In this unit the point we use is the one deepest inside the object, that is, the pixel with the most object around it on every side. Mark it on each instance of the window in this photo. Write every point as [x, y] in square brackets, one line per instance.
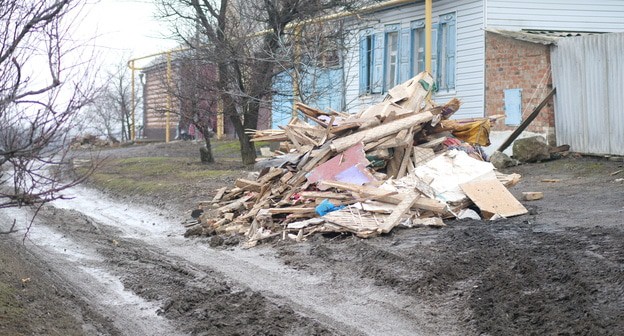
[391, 57]
[418, 47]
[397, 53]
[366, 62]
[446, 52]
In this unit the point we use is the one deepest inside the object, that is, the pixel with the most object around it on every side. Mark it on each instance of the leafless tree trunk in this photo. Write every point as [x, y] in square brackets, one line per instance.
[246, 41]
[37, 107]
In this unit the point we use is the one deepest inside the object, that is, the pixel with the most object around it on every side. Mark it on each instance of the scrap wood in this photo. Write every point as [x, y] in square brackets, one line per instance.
[291, 210]
[360, 223]
[388, 196]
[493, 198]
[248, 185]
[508, 180]
[431, 221]
[305, 223]
[338, 148]
[378, 132]
[236, 205]
[551, 180]
[404, 206]
[220, 192]
[532, 195]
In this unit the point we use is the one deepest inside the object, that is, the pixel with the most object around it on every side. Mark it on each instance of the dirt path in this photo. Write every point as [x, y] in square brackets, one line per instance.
[131, 260]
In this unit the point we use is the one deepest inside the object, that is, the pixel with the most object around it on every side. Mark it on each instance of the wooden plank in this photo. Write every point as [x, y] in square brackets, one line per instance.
[395, 217]
[526, 122]
[325, 194]
[532, 195]
[493, 198]
[406, 157]
[378, 132]
[248, 184]
[271, 174]
[388, 197]
[217, 197]
[433, 143]
[291, 210]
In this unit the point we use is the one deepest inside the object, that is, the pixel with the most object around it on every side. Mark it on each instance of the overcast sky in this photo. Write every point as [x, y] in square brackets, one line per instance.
[124, 28]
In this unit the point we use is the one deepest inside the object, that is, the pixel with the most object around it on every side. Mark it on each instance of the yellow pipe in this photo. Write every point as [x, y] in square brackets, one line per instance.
[169, 100]
[131, 62]
[428, 28]
[219, 119]
[133, 105]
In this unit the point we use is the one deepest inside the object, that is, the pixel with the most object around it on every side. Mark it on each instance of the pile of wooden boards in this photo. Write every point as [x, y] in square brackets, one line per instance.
[363, 174]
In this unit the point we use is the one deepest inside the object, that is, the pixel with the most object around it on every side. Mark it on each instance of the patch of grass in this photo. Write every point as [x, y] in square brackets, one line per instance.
[153, 175]
[230, 148]
[10, 309]
[225, 148]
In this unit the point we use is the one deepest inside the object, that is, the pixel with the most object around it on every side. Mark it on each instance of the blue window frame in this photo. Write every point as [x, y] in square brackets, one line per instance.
[367, 47]
[391, 57]
[417, 42]
[447, 46]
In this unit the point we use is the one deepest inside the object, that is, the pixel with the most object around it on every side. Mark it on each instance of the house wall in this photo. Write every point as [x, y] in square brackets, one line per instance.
[566, 15]
[155, 105]
[514, 64]
[469, 71]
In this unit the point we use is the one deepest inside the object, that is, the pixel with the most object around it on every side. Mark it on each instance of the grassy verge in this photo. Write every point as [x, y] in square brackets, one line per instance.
[152, 175]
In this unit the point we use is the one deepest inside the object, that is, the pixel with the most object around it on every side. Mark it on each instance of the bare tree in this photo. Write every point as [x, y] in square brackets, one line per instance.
[249, 43]
[111, 111]
[39, 97]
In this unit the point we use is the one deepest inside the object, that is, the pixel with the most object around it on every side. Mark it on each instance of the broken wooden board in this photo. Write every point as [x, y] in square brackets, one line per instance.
[291, 210]
[532, 195]
[493, 198]
[353, 220]
[248, 185]
[395, 217]
[389, 196]
[219, 194]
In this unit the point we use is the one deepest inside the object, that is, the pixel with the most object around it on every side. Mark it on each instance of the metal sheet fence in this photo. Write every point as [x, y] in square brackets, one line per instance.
[588, 73]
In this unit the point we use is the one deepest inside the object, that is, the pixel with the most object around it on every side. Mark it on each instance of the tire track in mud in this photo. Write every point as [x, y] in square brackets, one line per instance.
[222, 292]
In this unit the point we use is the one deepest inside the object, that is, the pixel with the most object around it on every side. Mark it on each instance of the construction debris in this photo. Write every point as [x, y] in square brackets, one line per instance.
[532, 195]
[396, 163]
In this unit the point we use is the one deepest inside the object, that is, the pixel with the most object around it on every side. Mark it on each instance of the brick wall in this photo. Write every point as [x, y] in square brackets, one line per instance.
[515, 64]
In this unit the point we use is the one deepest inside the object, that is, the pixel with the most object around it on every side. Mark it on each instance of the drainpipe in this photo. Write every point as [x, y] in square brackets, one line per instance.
[428, 26]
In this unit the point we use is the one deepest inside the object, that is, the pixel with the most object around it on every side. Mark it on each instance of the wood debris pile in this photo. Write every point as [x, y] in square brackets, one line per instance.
[396, 163]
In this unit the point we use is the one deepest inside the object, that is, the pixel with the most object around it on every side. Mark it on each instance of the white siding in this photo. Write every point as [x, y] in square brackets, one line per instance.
[587, 72]
[469, 85]
[563, 15]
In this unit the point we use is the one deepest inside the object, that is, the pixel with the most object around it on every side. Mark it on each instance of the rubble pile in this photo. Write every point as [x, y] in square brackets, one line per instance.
[399, 162]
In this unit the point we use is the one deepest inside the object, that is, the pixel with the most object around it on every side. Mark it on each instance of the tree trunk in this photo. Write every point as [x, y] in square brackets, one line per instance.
[248, 150]
[205, 152]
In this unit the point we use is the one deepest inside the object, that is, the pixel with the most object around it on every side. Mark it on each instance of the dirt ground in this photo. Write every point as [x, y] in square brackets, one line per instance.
[110, 264]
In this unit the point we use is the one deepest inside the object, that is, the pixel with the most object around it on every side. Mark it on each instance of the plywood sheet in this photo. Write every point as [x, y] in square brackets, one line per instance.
[492, 198]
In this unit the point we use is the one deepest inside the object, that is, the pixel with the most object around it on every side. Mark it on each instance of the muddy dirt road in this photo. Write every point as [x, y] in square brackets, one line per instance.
[125, 269]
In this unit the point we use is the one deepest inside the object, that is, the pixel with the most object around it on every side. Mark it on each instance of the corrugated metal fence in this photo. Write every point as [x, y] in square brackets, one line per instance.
[588, 73]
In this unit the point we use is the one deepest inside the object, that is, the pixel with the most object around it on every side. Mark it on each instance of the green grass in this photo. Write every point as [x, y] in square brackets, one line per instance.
[10, 309]
[152, 174]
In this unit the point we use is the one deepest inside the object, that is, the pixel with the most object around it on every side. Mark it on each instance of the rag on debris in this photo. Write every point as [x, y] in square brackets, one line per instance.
[392, 164]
